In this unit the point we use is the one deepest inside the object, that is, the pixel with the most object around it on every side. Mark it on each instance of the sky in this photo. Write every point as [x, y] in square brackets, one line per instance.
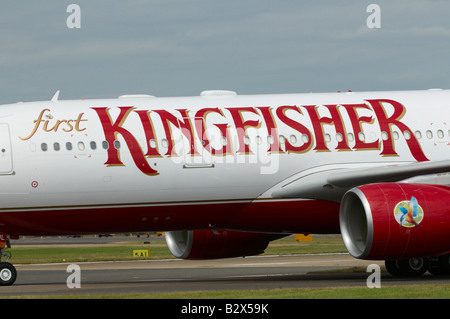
[180, 48]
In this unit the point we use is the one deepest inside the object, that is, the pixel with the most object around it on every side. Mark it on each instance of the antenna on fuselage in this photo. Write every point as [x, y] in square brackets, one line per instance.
[55, 97]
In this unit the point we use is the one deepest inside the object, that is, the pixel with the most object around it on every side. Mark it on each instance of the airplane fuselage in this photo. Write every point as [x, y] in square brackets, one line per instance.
[157, 164]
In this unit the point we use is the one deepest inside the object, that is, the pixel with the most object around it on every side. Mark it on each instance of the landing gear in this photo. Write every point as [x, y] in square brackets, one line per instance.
[8, 273]
[440, 265]
[407, 267]
[436, 265]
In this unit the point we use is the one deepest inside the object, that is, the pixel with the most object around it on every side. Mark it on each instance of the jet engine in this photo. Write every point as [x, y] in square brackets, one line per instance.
[211, 244]
[396, 221]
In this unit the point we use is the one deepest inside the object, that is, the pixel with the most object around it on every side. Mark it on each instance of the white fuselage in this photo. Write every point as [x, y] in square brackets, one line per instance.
[167, 151]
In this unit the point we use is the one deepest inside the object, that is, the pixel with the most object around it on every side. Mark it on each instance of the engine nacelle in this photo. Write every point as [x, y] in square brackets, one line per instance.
[396, 221]
[208, 244]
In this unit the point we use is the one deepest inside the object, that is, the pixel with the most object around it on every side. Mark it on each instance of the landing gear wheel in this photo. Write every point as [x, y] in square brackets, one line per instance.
[407, 267]
[413, 266]
[444, 263]
[8, 274]
[440, 266]
[392, 267]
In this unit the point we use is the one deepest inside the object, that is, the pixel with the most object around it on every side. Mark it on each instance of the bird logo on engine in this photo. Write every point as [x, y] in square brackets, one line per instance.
[408, 213]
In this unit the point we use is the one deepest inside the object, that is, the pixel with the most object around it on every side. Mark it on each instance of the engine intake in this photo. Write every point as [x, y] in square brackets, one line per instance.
[394, 221]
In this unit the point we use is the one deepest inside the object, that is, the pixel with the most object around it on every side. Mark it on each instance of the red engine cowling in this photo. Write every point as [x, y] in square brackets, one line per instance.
[396, 221]
[208, 244]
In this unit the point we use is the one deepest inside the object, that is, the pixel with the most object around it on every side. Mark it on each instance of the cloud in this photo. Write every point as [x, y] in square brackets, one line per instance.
[31, 53]
[257, 46]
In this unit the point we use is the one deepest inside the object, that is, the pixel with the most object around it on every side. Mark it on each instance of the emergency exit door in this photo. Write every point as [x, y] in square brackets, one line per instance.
[194, 153]
[6, 163]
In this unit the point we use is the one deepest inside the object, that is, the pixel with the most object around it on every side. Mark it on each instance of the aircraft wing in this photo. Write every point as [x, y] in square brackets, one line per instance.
[333, 182]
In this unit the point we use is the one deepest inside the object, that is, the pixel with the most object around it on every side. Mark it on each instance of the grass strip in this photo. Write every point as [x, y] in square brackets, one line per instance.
[119, 252]
[432, 291]
[21, 255]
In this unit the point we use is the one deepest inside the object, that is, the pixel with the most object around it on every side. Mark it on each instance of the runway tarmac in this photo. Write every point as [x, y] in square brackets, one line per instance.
[265, 272]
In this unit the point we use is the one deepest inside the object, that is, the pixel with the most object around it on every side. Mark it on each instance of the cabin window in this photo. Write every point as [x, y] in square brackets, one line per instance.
[258, 140]
[69, 146]
[293, 139]
[56, 146]
[418, 135]
[429, 134]
[105, 145]
[93, 145]
[407, 135]
[305, 138]
[440, 133]
[396, 135]
[224, 140]
[116, 144]
[44, 147]
[81, 146]
[351, 138]
[361, 136]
